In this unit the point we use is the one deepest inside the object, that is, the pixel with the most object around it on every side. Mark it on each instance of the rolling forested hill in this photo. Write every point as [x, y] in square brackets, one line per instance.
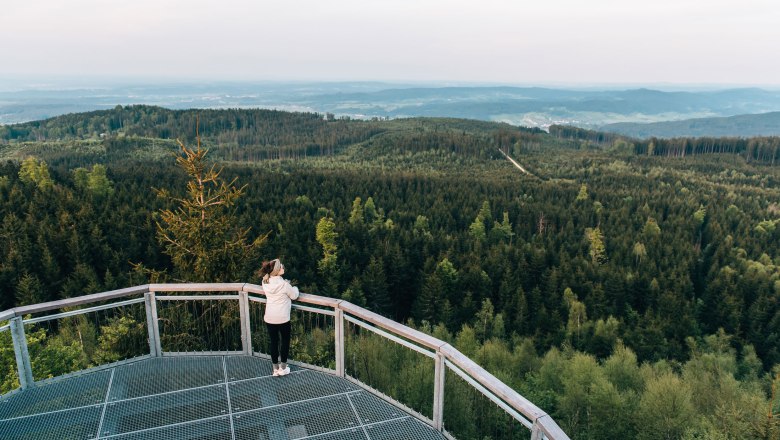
[530, 106]
[613, 277]
[763, 124]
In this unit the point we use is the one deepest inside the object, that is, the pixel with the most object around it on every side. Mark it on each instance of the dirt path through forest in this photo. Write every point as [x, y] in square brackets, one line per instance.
[519, 167]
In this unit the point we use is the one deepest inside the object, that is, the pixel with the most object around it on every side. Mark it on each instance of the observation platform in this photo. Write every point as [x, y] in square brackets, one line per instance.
[189, 361]
[204, 397]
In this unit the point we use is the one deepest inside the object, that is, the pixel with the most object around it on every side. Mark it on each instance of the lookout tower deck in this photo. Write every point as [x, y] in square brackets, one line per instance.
[189, 361]
[204, 397]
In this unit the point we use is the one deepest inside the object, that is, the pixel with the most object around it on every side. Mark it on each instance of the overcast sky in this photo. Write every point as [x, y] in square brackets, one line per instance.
[725, 42]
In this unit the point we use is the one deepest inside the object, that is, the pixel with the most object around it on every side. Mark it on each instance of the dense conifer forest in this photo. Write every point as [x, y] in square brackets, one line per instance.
[620, 275]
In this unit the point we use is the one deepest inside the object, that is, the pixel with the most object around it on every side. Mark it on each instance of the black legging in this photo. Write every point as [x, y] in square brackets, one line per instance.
[274, 330]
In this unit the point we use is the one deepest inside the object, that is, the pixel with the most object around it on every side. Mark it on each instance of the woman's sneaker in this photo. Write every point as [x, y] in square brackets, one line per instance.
[284, 369]
[276, 370]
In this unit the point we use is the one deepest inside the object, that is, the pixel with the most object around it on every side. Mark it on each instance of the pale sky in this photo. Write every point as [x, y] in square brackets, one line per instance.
[733, 42]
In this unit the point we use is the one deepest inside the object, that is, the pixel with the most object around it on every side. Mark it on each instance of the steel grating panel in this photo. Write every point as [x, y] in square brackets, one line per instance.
[296, 420]
[371, 409]
[247, 367]
[347, 434]
[297, 386]
[74, 424]
[404, 429]
[161, 375]
[166, 409]
[211, 429]
[74, 392]
[186, 398]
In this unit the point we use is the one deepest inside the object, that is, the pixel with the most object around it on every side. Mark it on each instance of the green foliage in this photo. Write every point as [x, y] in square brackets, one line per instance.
[326, 237]
[354, 293]
[30, 290]
[758, 148]
[375, 361]
[8, 369]
[766, 227]
[583, 194]
[590, 400]
[484, 321]
[640, 252]
[95, 182]
[484, 212]
[651, 229]
[477, 229]
[622, 370]
[375, 287]
[312, 344]
[438, 290]
[370, 212]
[699, 216]
[666, 409]
[502, 232]
[578, 322]
[54, 355]
[35, 172]
[422, 227]
[356, 216]
[304, 201]
[119, 339]
[597, 250]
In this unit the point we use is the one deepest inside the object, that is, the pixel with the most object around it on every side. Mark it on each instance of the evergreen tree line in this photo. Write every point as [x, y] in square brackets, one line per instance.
[765, 150]
[272, 134]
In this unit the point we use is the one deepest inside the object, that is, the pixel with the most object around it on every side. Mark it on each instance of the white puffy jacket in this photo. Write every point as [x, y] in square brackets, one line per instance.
[279, 293]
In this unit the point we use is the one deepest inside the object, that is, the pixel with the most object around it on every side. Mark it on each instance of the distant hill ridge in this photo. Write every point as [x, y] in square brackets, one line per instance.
[762, 124]
[526, 106]
[255, 134]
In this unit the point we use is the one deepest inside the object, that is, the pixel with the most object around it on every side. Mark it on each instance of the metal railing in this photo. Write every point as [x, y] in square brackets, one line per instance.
[404, 366]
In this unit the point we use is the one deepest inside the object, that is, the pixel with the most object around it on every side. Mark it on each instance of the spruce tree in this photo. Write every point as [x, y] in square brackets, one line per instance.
[202, 235]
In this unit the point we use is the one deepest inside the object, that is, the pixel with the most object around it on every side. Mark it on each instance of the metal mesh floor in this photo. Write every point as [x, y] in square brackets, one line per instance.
[199, 397]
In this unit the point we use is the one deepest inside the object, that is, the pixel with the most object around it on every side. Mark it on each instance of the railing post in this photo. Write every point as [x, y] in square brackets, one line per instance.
[339, 343]
[536, 432]
[22, 355]
[246, 332]
[438, 392]
[152, 324]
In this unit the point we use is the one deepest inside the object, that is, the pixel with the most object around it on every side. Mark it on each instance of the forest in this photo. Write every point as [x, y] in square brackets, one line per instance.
[614, 276]
[762, 149]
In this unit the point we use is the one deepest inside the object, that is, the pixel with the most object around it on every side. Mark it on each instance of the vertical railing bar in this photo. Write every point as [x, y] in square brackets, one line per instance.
[438, 392]
[536, 432]
[339, 342]
[155, 347]
[22, 355]
[148, 301]
[246, 328]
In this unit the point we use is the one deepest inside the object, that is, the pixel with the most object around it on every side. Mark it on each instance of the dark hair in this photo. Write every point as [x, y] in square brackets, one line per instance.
[268, 267]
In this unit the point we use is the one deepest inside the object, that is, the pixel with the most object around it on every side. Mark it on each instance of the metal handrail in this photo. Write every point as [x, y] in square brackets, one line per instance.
[541, 424]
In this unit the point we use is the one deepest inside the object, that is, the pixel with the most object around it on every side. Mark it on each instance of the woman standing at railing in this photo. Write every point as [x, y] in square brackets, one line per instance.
[279, 293]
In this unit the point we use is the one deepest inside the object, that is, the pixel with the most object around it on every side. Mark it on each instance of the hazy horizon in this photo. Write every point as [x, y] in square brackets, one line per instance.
[560, 43]
[29, 83]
